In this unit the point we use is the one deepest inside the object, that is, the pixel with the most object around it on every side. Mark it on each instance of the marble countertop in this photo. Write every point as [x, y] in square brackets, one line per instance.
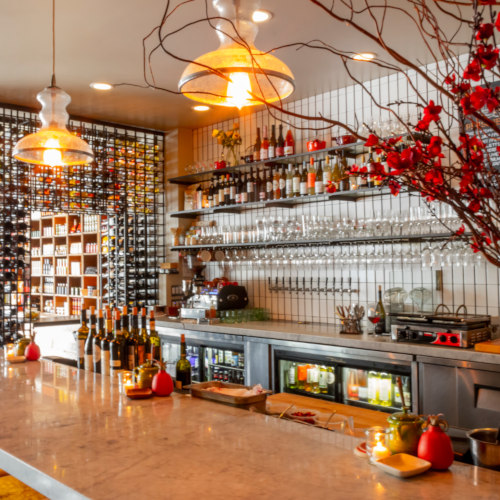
[324, 334]
[70, 434]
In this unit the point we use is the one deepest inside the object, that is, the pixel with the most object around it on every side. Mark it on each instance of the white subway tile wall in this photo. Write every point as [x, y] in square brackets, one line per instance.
[466, 278]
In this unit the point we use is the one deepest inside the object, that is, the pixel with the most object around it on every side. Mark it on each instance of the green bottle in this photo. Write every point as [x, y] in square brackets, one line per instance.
[183, 368]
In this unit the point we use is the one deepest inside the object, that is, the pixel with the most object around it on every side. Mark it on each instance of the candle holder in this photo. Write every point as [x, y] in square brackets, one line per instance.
[125, 381]
[376, 443]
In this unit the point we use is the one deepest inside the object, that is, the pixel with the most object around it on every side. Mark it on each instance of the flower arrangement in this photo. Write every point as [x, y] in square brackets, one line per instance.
[230, 140]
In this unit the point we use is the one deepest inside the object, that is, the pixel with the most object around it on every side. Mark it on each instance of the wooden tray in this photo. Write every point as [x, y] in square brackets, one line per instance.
[199, 391]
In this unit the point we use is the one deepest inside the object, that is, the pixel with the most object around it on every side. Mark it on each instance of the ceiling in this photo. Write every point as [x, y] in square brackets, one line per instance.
[100, 40]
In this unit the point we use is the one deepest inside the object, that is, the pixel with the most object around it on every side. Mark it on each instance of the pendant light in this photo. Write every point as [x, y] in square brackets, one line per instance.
[53, 144]
[237, 72]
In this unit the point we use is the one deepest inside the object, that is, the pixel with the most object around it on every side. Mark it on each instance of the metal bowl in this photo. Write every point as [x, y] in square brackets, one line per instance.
[485, 449]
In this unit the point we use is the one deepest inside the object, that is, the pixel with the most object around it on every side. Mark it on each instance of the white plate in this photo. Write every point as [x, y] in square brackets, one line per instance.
[403, 465]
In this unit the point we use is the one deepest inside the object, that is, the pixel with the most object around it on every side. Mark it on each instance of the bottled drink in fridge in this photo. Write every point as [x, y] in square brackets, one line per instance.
[292, 376]
[183, 368]
[373, 387]
[385, 389]
[323, 380]
[301, 377]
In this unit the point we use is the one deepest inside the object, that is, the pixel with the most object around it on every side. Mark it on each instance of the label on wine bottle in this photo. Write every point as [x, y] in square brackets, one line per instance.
[291, 376]
[318, 186]
[303, 188]
[280, 151]
[323, 379]
[89, 362]
[96, 353]
[288, 150]
[105, 362]
[264, 154]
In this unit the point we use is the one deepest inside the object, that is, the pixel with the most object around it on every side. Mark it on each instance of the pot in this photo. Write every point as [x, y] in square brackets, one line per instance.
[405, 430]
[144, 375]
[485, 448]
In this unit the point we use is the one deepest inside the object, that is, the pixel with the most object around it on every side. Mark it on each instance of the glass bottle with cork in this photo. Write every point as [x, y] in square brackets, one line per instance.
[182, 369]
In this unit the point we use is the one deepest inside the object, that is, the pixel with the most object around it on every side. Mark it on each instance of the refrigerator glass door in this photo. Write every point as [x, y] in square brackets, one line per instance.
[171, 352]
[224, 365]
[374, 388]
[307, 378]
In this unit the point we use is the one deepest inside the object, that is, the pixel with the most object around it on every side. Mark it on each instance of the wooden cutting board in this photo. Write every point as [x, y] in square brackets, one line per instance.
[492, 346]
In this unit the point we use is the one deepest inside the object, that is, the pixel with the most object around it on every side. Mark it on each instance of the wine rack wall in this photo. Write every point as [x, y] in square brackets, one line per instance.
[124, 184]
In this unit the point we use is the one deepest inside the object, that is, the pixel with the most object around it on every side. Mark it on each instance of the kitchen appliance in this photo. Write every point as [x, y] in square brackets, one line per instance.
[441, 328]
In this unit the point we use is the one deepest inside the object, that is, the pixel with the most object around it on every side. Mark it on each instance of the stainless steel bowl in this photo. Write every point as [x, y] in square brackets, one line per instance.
[484, 448]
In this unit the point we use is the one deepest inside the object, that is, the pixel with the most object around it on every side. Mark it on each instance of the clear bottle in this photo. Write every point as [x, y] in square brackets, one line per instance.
[336, 174]
[296, 182]
[327, 172]
[353, 385]
[344, 174]
[289, 182]
[182, 368]
[330, 380]
[292, 376]
[323, 380]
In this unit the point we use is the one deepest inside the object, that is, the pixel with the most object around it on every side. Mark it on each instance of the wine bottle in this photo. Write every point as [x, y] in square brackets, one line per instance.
[89, 361]
[256, 148]
[256, 186]
[336, 174]
[143, 332]
[221, 190]
[282, 183]
[262, 186]
[96, 347]
[318, 185]
[327, 172]
[296, 182]
[280, 146]
[140, 343]
[380, 311]
[303, 180]
[370, 168]
[243, 188]
[276, 185]
[215, 200]
[154, 338]
[311, 178]
[232, 189]
[237, 190]
[227, 191]
[117, 346]
[105, 343]
[272, 143]
[362, 180]
[182, 368]
[249, 187]
[289, 182]
[264, 147]
[210, 198]
[289, 143]
[82, 335]
[344, 174]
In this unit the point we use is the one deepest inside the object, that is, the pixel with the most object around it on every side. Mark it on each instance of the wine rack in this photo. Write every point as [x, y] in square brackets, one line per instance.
[123, 185]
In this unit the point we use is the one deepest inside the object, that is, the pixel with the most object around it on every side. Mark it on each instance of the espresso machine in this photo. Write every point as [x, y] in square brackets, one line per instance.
[201, 301]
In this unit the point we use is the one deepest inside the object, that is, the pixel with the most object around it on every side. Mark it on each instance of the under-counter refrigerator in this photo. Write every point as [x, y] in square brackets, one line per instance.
[211, 358]
[369, 383]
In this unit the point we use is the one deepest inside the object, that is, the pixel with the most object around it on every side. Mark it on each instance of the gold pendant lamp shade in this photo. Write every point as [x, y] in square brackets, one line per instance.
[237, 74]
[53, 144]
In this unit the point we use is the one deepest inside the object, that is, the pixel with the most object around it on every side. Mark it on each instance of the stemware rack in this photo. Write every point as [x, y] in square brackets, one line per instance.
[124, 183]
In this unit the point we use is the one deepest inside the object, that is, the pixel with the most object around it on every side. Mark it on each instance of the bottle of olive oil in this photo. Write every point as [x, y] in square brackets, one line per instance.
[183, 368]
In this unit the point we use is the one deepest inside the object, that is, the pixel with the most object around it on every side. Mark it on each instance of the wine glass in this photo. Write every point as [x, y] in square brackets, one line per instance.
[373, 315]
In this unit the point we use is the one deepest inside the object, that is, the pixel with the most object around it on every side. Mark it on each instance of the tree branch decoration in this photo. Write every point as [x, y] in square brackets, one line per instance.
[445, 154]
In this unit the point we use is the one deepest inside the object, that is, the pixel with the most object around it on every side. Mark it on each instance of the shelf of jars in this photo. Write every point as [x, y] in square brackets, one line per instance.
[349, 151]
[352, 195]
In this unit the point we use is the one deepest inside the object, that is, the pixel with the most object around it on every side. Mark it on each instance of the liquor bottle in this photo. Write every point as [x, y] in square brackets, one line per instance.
[256, 148]
[82, 334]
[370, 167]
[385, 389]
[276, 185]
[289, 143]
[269, 185]
[330, 381]
[215, 199]
[303, 180]
[336, 173]
[272, 143]
[292, 376]
[140, 343]
[182, 368]
[96, 347]
[227, 191]
[296, 182]
[373, 387]
[154, 338]
[282, 183]
[353, 385]
[323, 380]
[380, 311]
[289, 182]
[89, 362]
[117, 346]
[74, 227]
[262, 186]
[318, 185]
[143, 333]
[280, 145]
[210, 198]
[311, 178]
[204, 197]
[105, 344]
[327, 172]
[344, 174]
[301, 377]
[363, 180]
[221, 190]
[264, 147]
[249, 187]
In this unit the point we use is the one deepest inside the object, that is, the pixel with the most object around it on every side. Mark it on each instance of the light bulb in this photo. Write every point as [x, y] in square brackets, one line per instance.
[51, 155]
[238, 90]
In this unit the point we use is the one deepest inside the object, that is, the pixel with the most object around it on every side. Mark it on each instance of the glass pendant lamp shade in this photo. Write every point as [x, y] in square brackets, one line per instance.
[53, 144]
[237, 73]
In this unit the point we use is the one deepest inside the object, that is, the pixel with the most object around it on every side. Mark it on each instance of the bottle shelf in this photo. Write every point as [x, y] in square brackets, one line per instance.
[350, 151]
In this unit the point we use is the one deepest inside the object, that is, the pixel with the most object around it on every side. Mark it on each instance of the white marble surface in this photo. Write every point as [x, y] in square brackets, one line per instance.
[63, 428]
[329, 335]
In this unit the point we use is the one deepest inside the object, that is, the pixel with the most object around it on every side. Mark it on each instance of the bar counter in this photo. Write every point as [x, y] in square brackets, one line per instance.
[70, 434]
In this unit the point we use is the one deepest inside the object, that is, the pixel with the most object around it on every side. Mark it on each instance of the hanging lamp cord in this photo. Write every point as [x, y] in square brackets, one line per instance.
[53, 81]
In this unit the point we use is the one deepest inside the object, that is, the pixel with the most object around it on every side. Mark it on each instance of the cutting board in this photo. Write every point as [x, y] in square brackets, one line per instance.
[488, 346]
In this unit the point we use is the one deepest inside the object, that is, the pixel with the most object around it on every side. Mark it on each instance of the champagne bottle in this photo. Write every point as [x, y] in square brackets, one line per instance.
[82, 335]
[96, 347]
[280, 146]
[154, 338]
[117, 346]
[380, 326]
[89, 361]
[183, 368]
[272, 142]
[143, 332]
[141, 345]
[105, 344]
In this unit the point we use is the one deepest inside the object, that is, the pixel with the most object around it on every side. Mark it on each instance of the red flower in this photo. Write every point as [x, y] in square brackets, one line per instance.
[330, 187]
[434, 147]
[473, 71]
[487, 2]
[395, 187]
[481, 97]
[461, 230]
[497, 22]
[487, 55]
[372, 141]
[474, 206]
[431, 112]
[485, 31]
[435, 176]
[422, 125]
